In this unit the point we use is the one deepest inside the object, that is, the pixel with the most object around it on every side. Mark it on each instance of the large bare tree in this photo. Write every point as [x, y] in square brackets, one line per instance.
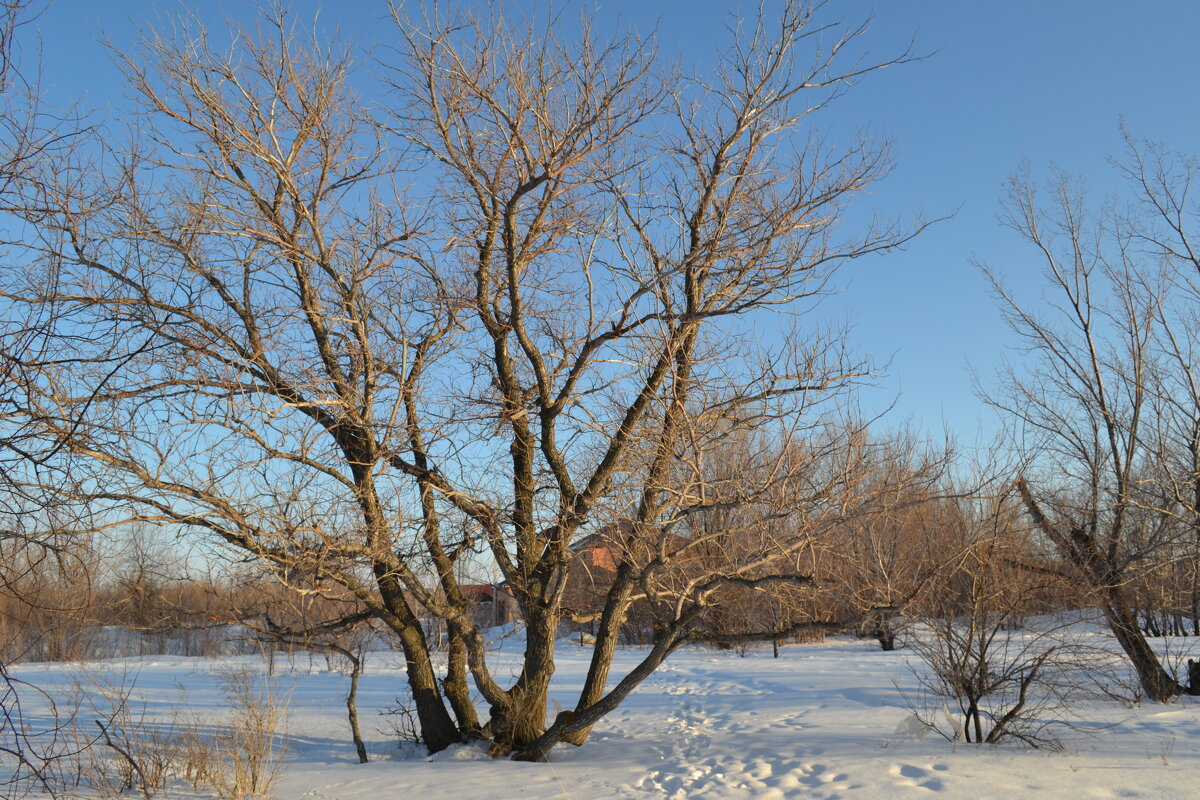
[1107, 406]
[518, 306]
[1163, 226]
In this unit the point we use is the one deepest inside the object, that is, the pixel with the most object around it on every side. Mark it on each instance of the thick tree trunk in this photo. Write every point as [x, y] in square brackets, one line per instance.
[881, 628]
[1195, 576]
[523, 720]
[438, 730]
[1155, 681]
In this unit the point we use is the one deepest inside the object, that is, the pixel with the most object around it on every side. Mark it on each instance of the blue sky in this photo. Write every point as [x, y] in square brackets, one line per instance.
[1043, 81]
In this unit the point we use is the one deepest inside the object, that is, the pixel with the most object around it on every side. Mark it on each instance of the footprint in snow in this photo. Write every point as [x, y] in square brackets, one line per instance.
[912, 775]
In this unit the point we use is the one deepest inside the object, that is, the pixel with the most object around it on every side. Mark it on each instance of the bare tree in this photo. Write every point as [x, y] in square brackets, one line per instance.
[731, 529]
[547, 331]
[1006, 681]
[1097, 405]
[1161, 228]
[913, 530]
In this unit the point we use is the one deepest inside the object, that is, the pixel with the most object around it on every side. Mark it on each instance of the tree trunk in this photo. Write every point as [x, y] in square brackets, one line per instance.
[885, 634]
[611, 620]
[523, 720]
[1195, 570]
[438, 730]
[1156, 683]
[352, 707]
[569, 721]
[458, 692]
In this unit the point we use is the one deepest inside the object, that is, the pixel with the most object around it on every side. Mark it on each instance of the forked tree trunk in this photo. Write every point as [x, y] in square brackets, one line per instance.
[973, 723]
[880, 627]
[523, 719]
[567, 722]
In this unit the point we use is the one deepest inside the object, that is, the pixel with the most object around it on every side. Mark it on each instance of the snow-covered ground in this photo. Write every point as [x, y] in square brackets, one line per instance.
[822, 721]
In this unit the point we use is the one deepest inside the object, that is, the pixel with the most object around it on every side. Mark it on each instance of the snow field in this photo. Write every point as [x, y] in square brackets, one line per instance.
[823, 721]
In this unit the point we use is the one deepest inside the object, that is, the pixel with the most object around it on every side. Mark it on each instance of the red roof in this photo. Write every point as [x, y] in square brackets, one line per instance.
[478, 591]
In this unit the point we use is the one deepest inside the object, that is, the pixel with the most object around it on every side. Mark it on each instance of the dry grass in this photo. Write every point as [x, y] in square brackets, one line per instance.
[238, 758]
[252, 748]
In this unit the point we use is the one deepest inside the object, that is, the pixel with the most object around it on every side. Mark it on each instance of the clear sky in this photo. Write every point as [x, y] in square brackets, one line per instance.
[1006, 80]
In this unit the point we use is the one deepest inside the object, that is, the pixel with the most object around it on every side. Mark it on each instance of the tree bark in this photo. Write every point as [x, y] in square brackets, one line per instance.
[1156, 682]
[611, 620]
[455, 685]
[438, 730]
[523, 719]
